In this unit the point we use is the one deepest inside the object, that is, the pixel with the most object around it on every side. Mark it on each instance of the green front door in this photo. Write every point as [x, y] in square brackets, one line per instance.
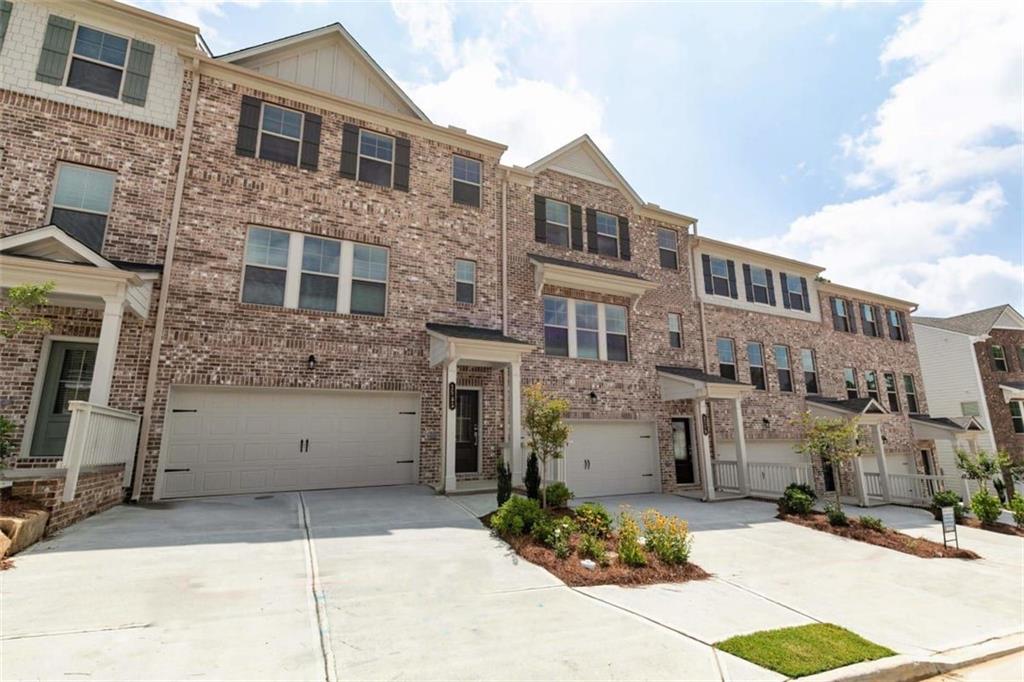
[68, 377]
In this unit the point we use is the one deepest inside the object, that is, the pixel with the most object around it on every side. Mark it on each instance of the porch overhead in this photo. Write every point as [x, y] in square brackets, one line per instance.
[1012, 390]
[599, 279]
[926, 427]
[687, 383]
[473, 345]
[867, 410]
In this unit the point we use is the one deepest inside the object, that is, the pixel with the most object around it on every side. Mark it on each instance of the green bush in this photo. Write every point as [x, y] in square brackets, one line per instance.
[504, 481]
[591, 547]
[795, 501]
[556, 533]
[516, 517]
[947, 498]
[835, 515]
[805, 488]
[557, 494]
[986, 506]
[872, 523]
[667, 536]
[532, 478]
[594, 519]
[1016, 508]
[631, 552]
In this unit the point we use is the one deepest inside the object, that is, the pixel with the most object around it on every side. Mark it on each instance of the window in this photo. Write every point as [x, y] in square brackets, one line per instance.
[871, 382]
[910, 390]
[841, 315]
[896, 326]
[668, 248]
[376, 158]
[293, 270]
[759, 284]
[867, 313]
[465, 181]
[280, 135]
[720, 276]
[999, 359]
[585, 329]
[755, 354]
[850, 382]
[557, 217]
[75, 379]
[97, 62]
[970, 409]
[783, 369]
[1020, 357]
[726, 358]
[81, 202]
[607, 235]
[810, 370]
[890, 391]
[465, 281]
[675, 331]
[1017, 415]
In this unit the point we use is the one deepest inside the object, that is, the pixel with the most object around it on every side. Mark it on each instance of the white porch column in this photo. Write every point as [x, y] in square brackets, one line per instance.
[451, 369]
[859, 482]
[741, 447]
[883, 467]
[700, 410]
[515, 412]
[106, 351]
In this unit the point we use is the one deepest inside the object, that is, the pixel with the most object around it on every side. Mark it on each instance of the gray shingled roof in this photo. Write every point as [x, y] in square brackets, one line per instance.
[945, 422]
[461, 331]
[585, 266]
[698, 375]
[854, 405]
[976, 323]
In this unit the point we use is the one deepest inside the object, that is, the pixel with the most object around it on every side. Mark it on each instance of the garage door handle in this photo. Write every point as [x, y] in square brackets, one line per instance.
[403, 461]
[406, 413]
[646, 475]
[645, 436]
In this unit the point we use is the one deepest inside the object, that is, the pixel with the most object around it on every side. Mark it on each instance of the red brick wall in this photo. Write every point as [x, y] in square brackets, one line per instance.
[999, 411]
[97, 491]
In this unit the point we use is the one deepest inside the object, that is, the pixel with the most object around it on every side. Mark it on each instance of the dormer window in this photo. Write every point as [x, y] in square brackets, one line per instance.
[97, 62]
[376, 158]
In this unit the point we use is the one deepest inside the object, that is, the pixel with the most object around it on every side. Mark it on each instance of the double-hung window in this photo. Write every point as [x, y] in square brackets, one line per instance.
[280, 137]
[585, 329]
[607, 234]
[97, 62]
[850, 382]
[810, 370]
[896, 332]
[910, 390]
[465, 281]
[376, 163]
[759, 284]
[321, 269]
[891, 392]
[81, 203]
[675, 331]
[668, 248]
[998, 359]
[867, 314]
[871, 382]
[369, 279]
[783, 369]
[266, 266]
[557, 218]
[465, 181]
[1017, 416]
[841, 315]
[616, 334]
[794, 292]
[720, 276]
[755, 355]
[726, 358]
[556, 326]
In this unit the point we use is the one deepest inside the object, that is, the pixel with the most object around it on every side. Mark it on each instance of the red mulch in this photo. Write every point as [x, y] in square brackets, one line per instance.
[889, 538]
[997, 527]
[18, 507]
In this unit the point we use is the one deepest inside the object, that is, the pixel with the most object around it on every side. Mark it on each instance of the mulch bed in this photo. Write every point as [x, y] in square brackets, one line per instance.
[889, 538]
[18, 507]
[997, 527]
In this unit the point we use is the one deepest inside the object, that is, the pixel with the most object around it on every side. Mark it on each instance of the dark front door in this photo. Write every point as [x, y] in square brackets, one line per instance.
[467, 432]
[68, 377]
[682, 449]
[926, 461]
[829, 475]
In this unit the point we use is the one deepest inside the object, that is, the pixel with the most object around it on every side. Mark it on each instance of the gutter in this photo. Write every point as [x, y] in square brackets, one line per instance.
[504, 254]
[694, 243]
[165, 283]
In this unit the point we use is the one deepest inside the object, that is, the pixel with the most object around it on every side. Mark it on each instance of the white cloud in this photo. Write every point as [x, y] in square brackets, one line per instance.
[430, 28]
[199, 13]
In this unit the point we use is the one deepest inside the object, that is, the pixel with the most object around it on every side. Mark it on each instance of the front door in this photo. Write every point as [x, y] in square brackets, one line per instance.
[68, 377]
[467, 431]
[829, 475]
[682, 449]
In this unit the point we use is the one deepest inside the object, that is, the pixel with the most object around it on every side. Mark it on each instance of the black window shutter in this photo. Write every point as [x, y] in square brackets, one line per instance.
[402, 153]
[878, 321]
[540, 219]
[803, 290]
[748, 286]
[705, 261]
[906, 328]
[771, 286]
[784, 281]
[832, 303]
[591, 230]
[248, 126]
[576, 221]
[851, 315]
[732, 279]
[624, 247]
[349, 150]
[309, 157]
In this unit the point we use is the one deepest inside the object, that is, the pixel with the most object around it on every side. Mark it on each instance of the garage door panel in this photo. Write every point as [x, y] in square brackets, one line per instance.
[611, 458]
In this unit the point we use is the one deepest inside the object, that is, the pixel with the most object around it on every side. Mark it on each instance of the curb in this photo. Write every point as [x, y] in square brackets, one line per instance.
[903, 668]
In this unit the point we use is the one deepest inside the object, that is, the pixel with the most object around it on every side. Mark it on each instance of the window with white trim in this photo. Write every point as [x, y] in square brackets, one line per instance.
[783, 369]
[465, 281]
[970, 408]
[1017, 416]
[891, 393]
[376, 162]
[668, 248]
[841, 315]
[556, 216]
[867, 314]
[910, 391]
[321, 270]
[675, 330]
[871, 383]
[720, 276]
[81, 202]
[895, 325]
[850, 382]
[465, 180]
[810, 370]
[755, 356]
[266, 266]
[795, 292]
[998, 359]
[97, 62]
[726, 358]
[280, 134]
[585, 329]
[607, 234]
[556, 326]
[369, 279]
[759, 283]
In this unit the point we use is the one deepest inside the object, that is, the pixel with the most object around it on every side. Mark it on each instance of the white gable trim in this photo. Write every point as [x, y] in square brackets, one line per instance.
[583, 143]
[76, 250]
[1009, 319]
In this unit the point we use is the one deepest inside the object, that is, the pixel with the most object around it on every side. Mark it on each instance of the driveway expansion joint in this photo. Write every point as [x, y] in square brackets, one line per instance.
[319, 598]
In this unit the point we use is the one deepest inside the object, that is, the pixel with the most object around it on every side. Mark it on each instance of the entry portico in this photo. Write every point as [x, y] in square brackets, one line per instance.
[870, 413]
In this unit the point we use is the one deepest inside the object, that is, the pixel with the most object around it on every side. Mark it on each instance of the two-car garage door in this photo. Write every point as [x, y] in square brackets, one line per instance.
[611, 458]
[224, 441]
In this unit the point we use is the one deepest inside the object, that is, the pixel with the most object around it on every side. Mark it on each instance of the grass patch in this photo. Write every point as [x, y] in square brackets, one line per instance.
[805, 649]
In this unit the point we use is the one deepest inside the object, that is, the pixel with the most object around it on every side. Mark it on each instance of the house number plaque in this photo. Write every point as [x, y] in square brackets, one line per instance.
[451, 395]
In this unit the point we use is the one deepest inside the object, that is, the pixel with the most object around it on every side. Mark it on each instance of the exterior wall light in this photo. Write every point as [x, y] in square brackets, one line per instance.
[593, 398]
[311, 362]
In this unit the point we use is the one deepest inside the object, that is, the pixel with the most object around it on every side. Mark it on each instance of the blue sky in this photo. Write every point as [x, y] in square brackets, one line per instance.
[882, 141]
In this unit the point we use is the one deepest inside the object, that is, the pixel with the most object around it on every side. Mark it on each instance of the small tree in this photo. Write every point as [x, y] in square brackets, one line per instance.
[833, 441]
[982, 467]
[547, 432]
[14, 316]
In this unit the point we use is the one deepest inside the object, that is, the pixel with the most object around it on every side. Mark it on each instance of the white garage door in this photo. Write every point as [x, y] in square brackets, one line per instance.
[223, 441]
[611, 458]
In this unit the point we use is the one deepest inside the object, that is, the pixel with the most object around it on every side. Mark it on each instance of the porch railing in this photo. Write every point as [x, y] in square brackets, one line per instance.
[917, 489]
[726, 475]
[773, 477]
[98, 435]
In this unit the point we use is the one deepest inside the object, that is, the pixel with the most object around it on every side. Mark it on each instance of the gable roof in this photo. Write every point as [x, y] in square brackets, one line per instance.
[257, 55]
[977, 323]
[51, 243]
[858, 406]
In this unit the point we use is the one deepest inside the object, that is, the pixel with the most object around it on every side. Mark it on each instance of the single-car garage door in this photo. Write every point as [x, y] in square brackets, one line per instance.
[223, 441]
[611, 458]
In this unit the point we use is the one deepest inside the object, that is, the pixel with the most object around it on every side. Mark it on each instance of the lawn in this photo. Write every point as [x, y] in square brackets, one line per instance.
[804, 650]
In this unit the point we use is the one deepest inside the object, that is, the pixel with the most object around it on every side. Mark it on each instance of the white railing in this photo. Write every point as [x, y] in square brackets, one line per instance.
[98, 435]
[873, 483]
[773, 477]
[726, 475]
[917, 489]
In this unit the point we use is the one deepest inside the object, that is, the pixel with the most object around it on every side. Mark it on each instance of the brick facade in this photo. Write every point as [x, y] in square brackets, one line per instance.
[1012, 342]
[96, 491]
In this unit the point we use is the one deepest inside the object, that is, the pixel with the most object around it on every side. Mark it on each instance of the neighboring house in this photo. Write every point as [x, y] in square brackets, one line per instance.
[973, 366]
[277, 274]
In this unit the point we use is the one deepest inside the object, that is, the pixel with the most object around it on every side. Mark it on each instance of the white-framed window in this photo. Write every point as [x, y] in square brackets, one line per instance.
[556, 216]
[795, 292]
[910, 390]
[376, 162]
[97, 62]
[867, 314]
[1017, 416]
[668, 248]
[465, 180]
[755, 355]
[850, 382]
[871, 383]
[607, 234]
[783, 369]
[998, 358]
[280, 134]
[759, 284]
[891, 392]
[585, 329]
[295, 270]
[841, 315]
[81, 202]
[896, 326]
[675, 330]
[810, 367]
[970, 408]
[465, 281]
[726, 358]
[720, 276]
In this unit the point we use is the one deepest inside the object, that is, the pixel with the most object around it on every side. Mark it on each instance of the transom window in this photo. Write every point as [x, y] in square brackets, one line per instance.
[759, 284]
[841, 315]
[850, 382]
[607, 235]
[556, 214]
[783, 369]
[376, 163]
[465, 181]
[81, 203]
[895, 325]
[668, 248]
[810, 370]
[910, 391]
[867, 313]
[726, 358]
[795, 292]
[1017, 415]
[280, 137]
[871, 382]
[890, 391]
[999, 359]
[585, 329]
[755, 354]
[675, 330]
[465, 281]
[97, 62]
[720, 276]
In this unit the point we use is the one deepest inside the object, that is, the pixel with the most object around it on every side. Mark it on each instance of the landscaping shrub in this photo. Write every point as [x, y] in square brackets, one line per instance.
[985, 506]
[591, 547]
[1016, 508]
[795, 501]
[558, 494]
[504, 481]
[667, 536]
[631, 552]
[594, 519]
[556, 533]
[805, 488]
[532, 478]
[835, 515]
[517, 516]
[872, 522]
[947, 498]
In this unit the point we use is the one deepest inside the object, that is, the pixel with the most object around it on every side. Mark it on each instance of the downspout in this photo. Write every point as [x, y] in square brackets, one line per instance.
[165, 283]
[504, 254]
[700, 301]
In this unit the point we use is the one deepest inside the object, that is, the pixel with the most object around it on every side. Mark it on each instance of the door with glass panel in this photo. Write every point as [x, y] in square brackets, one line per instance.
[682, 450]
[68, 377]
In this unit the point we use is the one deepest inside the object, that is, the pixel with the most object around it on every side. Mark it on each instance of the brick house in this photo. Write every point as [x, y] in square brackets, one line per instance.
[275, 272]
